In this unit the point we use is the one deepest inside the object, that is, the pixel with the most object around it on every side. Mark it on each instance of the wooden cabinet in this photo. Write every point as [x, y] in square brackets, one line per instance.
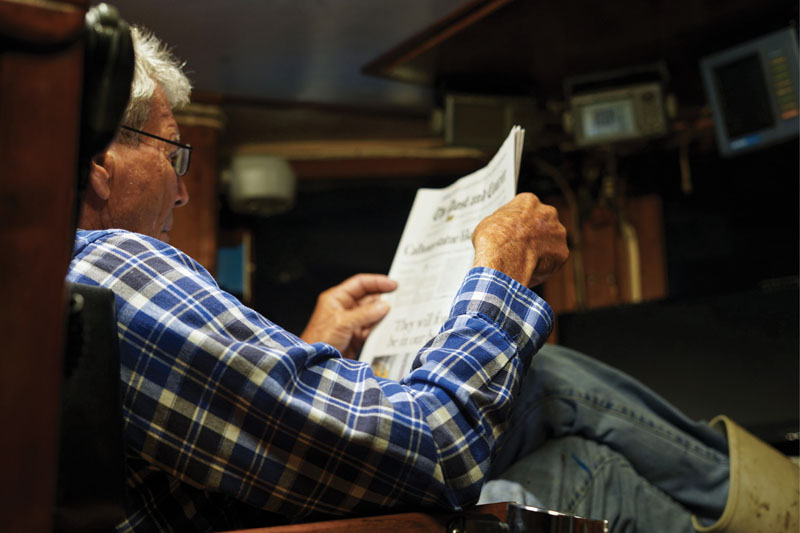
[41, 68]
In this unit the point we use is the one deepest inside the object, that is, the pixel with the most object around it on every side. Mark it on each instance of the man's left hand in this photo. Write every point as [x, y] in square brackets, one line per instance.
[344, 314]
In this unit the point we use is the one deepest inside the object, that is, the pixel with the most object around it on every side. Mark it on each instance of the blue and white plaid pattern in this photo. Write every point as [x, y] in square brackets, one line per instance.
[223, 407]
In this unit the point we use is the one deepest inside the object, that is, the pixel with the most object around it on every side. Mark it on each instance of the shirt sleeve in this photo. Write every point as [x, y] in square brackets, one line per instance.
[224, 400]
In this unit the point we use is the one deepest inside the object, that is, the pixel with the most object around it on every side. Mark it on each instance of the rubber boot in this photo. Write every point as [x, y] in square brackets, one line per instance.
[764, 486]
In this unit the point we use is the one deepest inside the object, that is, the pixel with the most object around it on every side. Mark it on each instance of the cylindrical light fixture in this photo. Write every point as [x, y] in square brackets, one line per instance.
[261, 185]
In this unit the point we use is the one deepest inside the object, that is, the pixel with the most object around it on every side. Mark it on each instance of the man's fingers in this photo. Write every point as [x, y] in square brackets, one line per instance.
[362, 284]
[369, 299]
[356, 343]
[359, 322]
[348, 308]
[366, 316]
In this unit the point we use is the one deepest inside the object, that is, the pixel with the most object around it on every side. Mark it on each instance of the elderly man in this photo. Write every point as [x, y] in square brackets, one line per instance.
[227, 414]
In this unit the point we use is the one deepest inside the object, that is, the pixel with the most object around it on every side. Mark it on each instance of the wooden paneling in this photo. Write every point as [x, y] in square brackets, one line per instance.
[600, 259]
[38, 147]
[603, 258]
[645, 214]
[194, 229]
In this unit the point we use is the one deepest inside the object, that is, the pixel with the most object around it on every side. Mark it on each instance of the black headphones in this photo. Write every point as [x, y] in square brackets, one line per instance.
[107, 75]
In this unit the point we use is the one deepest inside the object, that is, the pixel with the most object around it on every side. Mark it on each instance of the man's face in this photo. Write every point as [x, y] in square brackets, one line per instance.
[144, 186]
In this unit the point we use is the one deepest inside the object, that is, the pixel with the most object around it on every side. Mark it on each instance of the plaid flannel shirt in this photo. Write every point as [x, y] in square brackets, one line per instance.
[223, 408]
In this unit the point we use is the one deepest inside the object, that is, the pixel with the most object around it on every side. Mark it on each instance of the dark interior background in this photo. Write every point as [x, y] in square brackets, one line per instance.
[737, 231]
[295, 71]
[725, 340]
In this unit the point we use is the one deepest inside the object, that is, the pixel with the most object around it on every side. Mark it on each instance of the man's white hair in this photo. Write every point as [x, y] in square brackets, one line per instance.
[154, 65]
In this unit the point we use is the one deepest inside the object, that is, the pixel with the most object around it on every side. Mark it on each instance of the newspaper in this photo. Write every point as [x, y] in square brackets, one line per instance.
[434, 255]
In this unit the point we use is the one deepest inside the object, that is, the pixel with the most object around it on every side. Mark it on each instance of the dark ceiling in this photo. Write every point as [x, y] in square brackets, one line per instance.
[289, 50]
[328, 69]
[534, 46]
[314, 50]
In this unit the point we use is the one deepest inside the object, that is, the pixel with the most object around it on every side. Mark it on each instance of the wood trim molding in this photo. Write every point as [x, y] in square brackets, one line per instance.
[207, 115]
[370, 158]
[390, 64]
[429, 148]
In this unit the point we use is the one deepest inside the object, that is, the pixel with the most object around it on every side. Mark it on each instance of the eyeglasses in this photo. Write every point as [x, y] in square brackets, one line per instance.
[179, 158]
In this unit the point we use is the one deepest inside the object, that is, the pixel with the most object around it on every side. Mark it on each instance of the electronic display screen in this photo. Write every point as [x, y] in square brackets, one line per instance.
[743, 94]
[608, 119]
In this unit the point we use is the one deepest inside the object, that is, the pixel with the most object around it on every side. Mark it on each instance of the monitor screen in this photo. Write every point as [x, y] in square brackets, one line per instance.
[744, 96]
[604, 119]
[752, 90]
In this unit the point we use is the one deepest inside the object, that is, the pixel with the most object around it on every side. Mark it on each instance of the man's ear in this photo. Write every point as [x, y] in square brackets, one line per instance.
[101, 173]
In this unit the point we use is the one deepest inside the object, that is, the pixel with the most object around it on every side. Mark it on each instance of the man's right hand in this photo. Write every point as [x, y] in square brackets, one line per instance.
[345, 314]
[523, 239]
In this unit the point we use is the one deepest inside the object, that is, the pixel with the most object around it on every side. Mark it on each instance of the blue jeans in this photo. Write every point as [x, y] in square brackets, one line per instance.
[589, 440]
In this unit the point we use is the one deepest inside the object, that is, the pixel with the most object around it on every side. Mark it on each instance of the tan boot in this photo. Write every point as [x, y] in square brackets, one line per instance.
[764, 486]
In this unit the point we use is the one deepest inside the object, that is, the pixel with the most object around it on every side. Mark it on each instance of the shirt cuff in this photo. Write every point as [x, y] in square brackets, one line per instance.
[525, 317]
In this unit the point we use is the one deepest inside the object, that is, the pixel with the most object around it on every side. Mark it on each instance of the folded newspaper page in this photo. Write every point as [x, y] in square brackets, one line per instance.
[434, 255]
